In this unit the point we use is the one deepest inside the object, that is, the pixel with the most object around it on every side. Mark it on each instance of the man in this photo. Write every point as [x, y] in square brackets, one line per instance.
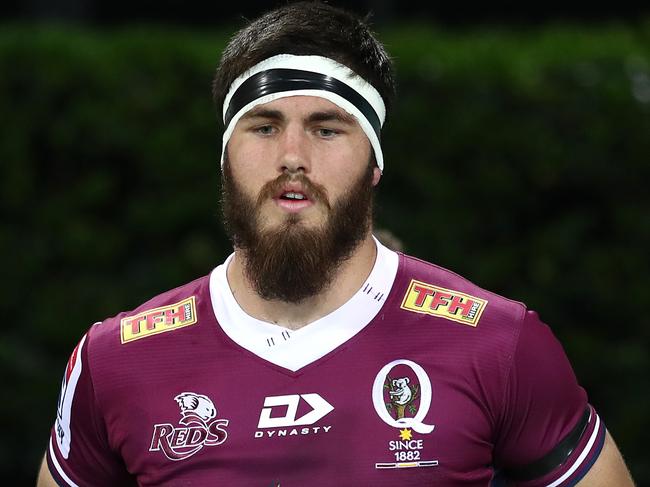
[314, 355]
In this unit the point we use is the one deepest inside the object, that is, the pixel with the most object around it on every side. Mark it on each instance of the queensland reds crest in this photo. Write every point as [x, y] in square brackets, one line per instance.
[198, 428]
[403, 400]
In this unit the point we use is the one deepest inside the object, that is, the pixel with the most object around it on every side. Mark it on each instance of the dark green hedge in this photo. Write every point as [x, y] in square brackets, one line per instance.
[516, 158]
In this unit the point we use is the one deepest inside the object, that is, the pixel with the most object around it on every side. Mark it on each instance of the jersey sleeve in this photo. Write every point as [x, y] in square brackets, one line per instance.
[78, 453]
[549, 435]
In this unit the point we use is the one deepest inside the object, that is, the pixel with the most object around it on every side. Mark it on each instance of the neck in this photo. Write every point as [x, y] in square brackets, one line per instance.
[349, 277]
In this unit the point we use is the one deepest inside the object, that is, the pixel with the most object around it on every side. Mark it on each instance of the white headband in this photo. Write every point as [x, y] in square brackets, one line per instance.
[324, 78]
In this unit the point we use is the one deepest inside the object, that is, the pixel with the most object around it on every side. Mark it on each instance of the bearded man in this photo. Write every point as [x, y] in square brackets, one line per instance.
[314, 355]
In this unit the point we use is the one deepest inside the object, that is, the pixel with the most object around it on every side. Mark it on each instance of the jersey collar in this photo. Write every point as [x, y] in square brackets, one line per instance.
[294, 349]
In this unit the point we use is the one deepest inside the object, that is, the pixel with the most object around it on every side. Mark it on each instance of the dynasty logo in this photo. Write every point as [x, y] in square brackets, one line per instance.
[198, 428]
[293, 415]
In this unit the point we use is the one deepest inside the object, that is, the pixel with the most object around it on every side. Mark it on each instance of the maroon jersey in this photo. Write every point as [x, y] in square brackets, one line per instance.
[420, 379]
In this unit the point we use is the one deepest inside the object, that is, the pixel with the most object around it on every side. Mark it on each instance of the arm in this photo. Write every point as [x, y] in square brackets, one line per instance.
[609, 469]
[548, 438]
[79, 453]
[44, 477]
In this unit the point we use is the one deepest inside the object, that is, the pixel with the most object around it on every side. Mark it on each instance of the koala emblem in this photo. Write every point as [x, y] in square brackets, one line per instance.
[401, 392]
[196, 404]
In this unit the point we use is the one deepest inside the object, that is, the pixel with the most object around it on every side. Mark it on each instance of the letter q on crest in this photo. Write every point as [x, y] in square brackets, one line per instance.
[425, 398]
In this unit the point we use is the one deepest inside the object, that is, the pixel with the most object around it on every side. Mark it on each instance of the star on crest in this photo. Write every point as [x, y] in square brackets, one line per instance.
[405, 434]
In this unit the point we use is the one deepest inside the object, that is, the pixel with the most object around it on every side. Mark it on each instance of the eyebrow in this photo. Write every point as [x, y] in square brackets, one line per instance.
[322, 116]
[264, 113]
[331, 115]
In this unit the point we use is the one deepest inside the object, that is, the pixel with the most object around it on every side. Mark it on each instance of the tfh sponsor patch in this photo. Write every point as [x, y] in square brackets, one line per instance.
[158, 320]
[425, 298]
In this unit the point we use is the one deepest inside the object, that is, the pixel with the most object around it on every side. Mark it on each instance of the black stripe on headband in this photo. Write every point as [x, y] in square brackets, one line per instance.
[283, 79]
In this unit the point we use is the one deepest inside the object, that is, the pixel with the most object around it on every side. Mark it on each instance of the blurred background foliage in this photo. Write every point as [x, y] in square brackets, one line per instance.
[518, 158]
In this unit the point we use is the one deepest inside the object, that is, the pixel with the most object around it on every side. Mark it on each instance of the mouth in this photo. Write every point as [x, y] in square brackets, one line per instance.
[293, 200]
[293, 196]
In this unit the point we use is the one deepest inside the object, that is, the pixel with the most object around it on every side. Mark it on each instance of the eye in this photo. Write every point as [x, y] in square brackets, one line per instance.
[326, 133]
[264, 129]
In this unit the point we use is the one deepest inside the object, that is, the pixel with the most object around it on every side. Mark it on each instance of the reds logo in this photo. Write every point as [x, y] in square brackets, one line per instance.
[199, 428]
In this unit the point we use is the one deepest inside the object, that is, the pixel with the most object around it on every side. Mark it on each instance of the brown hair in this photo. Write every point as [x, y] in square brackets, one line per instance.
[307, 28]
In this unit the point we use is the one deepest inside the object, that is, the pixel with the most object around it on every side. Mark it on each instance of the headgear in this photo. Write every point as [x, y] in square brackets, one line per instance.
[289, 75]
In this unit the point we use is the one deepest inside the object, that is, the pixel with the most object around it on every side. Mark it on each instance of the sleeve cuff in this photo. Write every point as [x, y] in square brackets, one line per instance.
[56, 470]
[579, 461]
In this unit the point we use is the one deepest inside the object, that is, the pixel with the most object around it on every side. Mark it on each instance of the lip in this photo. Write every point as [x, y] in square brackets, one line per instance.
[292, 188]
[293, 206]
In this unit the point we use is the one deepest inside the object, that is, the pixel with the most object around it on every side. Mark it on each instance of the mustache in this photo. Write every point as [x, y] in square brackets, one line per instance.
[314, 191]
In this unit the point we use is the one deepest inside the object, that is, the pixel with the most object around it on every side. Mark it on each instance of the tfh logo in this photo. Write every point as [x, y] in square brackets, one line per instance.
[320, 409]
[199, 428]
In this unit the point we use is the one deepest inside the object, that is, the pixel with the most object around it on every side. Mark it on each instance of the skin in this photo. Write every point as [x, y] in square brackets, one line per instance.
[45, 477]
[609, 470]
[314, 136]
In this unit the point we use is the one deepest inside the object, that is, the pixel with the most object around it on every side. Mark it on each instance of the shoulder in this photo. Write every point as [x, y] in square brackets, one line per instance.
[436, 291]
[474, 333]
[459, 316]
[172, 310]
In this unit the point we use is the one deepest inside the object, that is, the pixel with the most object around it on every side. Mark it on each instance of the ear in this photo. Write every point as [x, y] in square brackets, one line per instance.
[376, 176]
[407, 380]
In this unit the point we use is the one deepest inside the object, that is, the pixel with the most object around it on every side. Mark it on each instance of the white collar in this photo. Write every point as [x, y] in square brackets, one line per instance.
[294, 349]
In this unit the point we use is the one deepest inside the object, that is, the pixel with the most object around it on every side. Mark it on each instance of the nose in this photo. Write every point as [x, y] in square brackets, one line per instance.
[294, 150]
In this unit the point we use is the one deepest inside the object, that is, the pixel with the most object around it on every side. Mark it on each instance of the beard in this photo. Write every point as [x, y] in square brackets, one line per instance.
[291, 262]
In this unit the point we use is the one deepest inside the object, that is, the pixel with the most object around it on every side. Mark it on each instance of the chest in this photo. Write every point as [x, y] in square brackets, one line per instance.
[361, 416]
